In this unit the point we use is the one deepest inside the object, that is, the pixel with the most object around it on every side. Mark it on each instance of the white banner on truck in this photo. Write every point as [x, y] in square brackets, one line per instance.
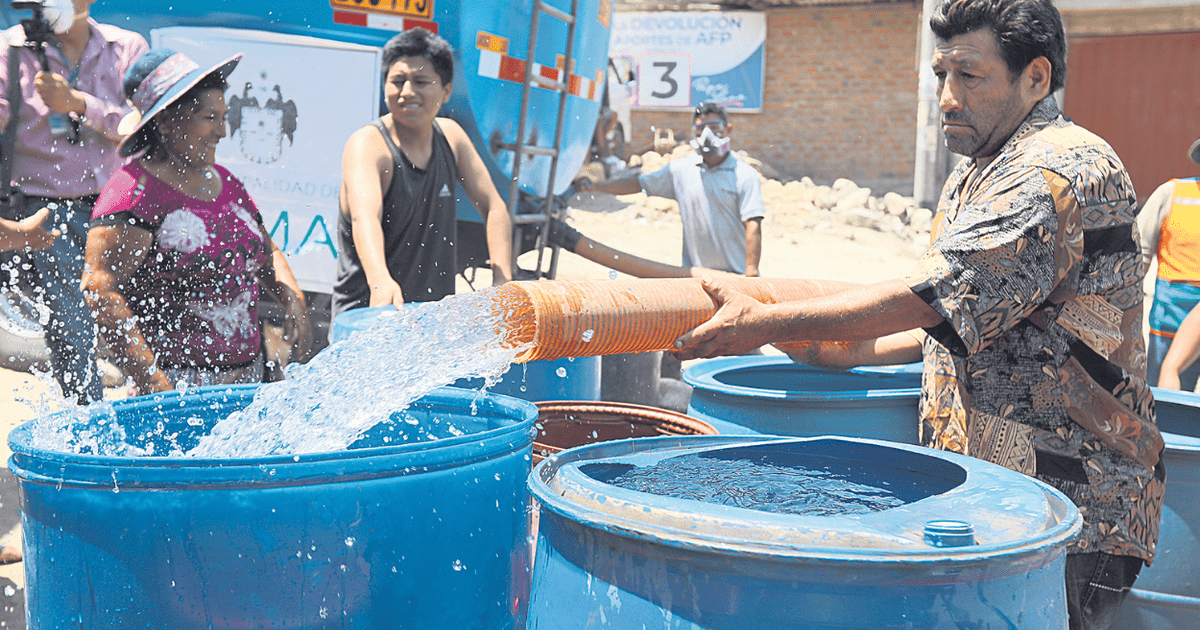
[293, 102]
[685, 58]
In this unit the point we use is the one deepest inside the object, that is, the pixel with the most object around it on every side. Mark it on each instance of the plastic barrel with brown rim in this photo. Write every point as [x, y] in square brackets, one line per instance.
[566, 424]
[587, 318]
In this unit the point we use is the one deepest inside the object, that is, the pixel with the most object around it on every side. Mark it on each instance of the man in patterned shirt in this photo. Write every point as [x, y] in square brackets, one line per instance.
[1030, 300]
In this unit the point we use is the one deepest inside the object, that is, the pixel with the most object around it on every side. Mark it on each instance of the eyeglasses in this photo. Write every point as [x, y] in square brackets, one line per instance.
[716, 125]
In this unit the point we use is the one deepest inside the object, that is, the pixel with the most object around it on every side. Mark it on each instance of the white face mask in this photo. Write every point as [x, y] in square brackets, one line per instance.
[61, 15]
[708, 144]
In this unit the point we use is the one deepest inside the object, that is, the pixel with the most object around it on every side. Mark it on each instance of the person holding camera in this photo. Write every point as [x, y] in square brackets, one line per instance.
[61, 100]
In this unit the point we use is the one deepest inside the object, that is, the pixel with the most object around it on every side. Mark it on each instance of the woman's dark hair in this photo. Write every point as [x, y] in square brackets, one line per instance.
[148, 138]
[1026, 30]
[418, 42]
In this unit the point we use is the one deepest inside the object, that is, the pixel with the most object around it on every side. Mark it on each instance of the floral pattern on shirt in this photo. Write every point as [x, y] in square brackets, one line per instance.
[183, 231]
[1040, 365]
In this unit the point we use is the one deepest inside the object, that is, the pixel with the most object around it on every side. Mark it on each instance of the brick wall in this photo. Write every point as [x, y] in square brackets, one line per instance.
[840, 96]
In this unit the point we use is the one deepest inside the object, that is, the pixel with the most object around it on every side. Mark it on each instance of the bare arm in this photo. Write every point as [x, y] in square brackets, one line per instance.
[636, 266]
[114, 253]
[623, 186]
[27, 234]
[856, 314]
[276, 278]
[477, 183]
[366, 173]
[753, 246]
[1185, 349]
[901, 347]
[1150, 218]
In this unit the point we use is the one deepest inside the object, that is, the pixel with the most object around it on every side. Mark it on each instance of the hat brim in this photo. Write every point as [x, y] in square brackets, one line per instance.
[129, 145]
[1194, 152]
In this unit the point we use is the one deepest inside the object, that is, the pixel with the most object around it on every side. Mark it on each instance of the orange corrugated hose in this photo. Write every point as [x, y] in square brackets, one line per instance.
[585, 318]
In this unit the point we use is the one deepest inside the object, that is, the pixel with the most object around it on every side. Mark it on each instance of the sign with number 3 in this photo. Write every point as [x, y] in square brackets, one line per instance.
[664, 81]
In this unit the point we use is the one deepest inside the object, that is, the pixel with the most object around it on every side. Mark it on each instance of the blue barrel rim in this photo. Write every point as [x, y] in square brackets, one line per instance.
[355, 320]
[1040, 548]
[35, 465]
[702, 376]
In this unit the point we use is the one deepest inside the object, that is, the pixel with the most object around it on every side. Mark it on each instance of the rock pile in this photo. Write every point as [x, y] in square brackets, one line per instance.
[843, 202]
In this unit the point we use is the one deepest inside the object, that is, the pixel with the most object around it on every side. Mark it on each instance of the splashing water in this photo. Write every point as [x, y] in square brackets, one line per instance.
[354, 384]
[326, 404]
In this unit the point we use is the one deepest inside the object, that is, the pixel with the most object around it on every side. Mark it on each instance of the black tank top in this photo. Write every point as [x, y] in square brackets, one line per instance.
[419, 230]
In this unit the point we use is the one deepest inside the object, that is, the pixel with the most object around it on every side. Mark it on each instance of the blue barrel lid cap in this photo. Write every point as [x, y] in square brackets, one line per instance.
[1010, 514]
[949, 534]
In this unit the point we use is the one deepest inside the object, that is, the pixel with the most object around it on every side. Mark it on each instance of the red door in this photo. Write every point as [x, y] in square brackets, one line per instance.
[1141, 93]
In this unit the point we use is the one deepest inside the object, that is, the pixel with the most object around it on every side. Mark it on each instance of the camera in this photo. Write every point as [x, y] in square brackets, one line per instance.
[38, 33]
[37, 28]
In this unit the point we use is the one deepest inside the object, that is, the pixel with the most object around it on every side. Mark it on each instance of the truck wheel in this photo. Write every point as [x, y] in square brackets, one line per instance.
[22, 345]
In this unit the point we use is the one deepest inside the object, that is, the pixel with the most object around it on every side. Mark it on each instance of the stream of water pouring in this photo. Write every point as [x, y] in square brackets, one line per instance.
[342, 392]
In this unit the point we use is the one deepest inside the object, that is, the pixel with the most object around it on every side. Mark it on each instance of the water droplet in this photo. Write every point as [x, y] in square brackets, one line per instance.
[561, 372]
[350, 541]
[9, 590]
[588, 334]
[458, 565]
[612, 275]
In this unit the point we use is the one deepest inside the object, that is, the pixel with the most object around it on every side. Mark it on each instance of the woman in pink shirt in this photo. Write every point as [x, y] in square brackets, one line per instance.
[177, 251]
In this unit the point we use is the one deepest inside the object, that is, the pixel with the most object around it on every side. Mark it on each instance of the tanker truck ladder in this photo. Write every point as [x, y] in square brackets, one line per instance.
[548, 209]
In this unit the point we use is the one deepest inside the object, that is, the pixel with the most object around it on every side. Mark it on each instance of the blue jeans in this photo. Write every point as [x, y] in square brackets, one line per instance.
[1097, 584]
[71, 331]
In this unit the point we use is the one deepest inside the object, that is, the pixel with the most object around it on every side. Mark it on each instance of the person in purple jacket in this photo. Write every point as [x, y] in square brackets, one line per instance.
[66, 138]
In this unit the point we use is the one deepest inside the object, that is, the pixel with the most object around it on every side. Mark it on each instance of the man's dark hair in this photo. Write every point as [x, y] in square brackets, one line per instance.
[1026, 30]
[710, 109]
[418, 42]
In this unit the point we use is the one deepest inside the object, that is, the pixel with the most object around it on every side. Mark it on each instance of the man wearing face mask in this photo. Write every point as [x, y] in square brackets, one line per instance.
[720, 197]
[66, 140]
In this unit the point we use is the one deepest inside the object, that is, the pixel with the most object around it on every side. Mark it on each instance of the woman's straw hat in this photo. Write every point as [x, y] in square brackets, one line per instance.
[155, 81]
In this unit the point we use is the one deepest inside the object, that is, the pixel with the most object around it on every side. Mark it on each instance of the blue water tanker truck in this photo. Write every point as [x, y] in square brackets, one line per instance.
[528, 82]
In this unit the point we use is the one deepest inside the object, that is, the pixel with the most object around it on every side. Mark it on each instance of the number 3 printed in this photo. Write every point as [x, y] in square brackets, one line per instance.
[667, 66]
[664, 80]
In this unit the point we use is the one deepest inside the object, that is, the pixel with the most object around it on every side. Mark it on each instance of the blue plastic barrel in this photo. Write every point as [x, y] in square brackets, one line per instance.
[427, 535]
[973, 545]
[535, 381]
[775, 395]
[1166, 595]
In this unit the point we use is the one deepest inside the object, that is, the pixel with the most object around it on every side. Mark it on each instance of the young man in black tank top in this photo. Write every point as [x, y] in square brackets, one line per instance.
[396, 229]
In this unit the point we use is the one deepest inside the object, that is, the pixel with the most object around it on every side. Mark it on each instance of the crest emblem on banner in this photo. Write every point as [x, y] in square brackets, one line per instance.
[262, 118]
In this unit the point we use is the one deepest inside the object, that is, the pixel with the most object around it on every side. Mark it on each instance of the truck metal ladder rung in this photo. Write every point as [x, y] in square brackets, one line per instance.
[520, 149]
[529, 149]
